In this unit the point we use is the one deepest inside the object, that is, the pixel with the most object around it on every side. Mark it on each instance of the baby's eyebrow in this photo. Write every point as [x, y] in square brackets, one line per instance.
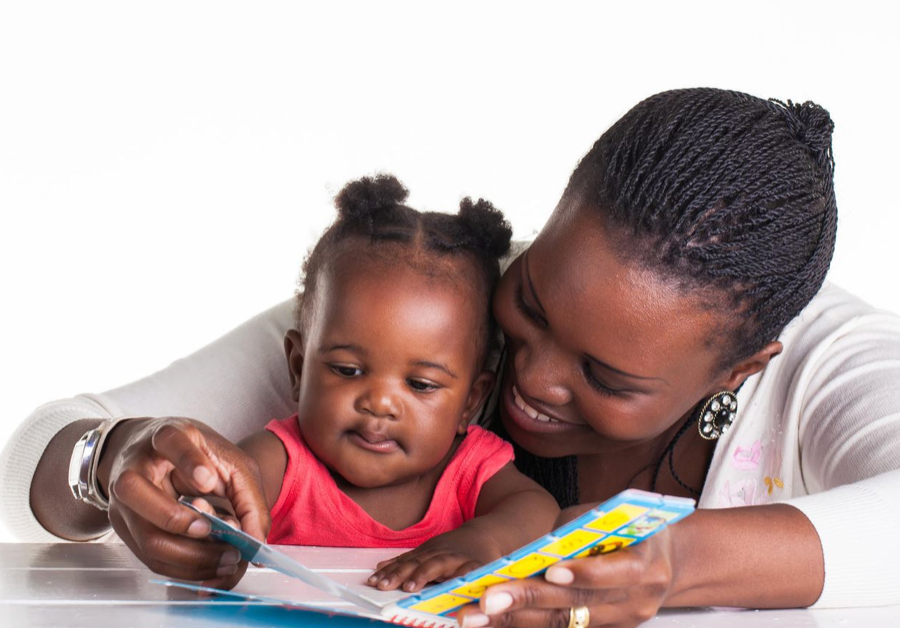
[435, 365]
[343, 347]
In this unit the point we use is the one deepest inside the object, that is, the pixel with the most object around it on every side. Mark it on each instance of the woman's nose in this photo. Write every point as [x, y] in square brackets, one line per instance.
[379, 400]
[540, 373]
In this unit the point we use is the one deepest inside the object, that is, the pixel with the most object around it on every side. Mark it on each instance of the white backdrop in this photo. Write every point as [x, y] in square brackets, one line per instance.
[164, 166]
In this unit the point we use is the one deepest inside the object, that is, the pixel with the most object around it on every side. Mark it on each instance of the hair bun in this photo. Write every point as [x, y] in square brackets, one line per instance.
[359, 200]
[812, 125]
[487, 225]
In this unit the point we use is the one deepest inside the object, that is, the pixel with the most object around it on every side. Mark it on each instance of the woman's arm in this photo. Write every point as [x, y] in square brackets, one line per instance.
[235, 385]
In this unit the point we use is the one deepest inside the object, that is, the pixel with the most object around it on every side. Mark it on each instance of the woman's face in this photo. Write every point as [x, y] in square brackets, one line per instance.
[602, 355]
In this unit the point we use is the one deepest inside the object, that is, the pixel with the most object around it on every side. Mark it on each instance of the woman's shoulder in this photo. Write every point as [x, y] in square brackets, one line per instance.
[835, 314]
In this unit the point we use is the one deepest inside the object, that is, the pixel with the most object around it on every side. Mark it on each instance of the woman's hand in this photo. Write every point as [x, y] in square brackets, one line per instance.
[446, 556]
[148, 464]
[621, 588]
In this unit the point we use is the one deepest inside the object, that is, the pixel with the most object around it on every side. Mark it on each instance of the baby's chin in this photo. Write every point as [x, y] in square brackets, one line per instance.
[363, 476]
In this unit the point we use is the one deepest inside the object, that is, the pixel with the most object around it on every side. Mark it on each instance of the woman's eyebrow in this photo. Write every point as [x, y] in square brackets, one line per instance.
[531, 284]
[599, 363]
[603, 364]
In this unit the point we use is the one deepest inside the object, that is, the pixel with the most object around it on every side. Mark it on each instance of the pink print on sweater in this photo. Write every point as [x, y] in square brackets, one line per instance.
[747, 459]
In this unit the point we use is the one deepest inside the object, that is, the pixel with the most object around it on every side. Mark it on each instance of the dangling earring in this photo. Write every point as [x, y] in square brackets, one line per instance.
[717, 415]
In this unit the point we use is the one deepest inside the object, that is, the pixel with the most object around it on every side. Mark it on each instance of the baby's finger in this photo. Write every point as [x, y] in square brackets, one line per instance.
[435, 568]
[394, 575]
[466, 568]
[389, 561]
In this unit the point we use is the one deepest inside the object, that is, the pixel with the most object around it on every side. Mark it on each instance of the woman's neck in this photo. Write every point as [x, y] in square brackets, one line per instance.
[600, 476]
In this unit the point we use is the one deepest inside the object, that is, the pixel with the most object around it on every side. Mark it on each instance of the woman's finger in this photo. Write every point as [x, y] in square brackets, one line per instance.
[173, 555]
[184, 446]
[244, 491]
[536, 593]
[624, 568]
[600, 615]
[138, 494]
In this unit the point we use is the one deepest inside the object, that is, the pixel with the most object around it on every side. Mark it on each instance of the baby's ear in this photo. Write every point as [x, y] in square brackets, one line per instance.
[293, 351]
[478, 394]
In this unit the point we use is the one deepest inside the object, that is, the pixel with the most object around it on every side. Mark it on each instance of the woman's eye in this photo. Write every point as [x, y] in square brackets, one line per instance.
[346, 371]
[526, 310]
[596, 384]
[421, 386]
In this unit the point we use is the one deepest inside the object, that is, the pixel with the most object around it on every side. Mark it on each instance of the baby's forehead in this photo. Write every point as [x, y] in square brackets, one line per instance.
[357, 259]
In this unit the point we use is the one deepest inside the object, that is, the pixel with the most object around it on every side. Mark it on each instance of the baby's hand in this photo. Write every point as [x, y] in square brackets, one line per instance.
[442, 558]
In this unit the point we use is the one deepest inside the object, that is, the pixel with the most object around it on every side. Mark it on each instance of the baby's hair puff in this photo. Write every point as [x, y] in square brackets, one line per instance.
[373, 208]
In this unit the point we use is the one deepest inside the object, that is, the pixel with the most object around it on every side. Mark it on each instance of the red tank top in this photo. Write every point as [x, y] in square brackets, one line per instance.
[312, 510]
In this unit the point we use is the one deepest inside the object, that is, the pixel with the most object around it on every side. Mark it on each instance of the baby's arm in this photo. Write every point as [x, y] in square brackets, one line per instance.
[512, 510]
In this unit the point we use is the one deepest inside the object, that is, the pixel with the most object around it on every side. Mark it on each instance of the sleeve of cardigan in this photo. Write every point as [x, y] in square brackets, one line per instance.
[849, 443]
[236, 384]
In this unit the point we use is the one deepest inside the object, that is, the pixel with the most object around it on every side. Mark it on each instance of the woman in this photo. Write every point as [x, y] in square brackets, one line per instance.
[668, 280]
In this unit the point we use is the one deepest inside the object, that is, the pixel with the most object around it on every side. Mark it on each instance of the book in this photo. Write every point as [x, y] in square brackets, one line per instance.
[626, 519]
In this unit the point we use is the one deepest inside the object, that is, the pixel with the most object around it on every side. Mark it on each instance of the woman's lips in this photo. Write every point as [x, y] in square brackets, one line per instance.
[374, 442]
[529, 419]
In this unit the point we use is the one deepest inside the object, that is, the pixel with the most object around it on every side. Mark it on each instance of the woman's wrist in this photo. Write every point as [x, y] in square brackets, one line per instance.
[115, 443]
[51, 498]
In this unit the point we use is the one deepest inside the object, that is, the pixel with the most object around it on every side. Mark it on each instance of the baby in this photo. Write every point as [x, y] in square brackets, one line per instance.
[388, 369]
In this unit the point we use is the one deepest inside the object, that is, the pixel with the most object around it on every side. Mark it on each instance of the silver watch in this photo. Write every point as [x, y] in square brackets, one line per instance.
[84, 462]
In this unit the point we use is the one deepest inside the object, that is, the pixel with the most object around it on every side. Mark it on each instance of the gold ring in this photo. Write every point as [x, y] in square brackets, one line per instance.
[579, 617]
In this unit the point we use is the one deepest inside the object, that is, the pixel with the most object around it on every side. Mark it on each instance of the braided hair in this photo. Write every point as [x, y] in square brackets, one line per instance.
[722, 193]
[726, 196]
[372, 209]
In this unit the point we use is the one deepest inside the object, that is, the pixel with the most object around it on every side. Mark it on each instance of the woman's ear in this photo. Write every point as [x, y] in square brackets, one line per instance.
[750, 366]
[293, 351]
[478, 394]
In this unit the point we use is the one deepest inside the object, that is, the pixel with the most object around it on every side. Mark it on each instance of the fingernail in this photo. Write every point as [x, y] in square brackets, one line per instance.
[199, 528]
[372, 579]
[409, 586]
[230, 557]
[226, 570]
[559, 575]
[202, 476]
[497, 603]
[475, 620]
[384, 582]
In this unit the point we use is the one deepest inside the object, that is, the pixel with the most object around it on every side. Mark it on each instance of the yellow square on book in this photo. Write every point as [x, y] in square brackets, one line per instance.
[528, 565]
[572, 542]
[607, 545]
[477, 587]
[440, 604]
[617, 517]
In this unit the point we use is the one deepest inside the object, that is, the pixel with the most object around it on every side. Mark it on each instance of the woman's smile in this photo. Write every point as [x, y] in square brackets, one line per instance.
[528, 418]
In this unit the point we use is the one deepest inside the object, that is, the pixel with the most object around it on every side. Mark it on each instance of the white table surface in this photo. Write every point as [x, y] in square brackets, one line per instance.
[100, 585]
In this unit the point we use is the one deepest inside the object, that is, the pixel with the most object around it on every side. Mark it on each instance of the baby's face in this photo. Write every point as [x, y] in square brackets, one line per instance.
[389, 360]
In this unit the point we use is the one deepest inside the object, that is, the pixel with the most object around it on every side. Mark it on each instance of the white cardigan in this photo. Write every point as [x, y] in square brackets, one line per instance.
[818, 429]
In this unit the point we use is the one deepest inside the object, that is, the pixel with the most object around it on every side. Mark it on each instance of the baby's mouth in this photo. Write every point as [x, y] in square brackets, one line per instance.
[374, 441]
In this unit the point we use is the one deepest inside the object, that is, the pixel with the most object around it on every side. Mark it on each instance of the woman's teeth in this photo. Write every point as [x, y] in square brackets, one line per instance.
[534, 414]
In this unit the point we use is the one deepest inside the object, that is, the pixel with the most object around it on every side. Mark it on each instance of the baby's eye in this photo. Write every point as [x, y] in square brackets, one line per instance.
[420, 385]
[346, 371]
